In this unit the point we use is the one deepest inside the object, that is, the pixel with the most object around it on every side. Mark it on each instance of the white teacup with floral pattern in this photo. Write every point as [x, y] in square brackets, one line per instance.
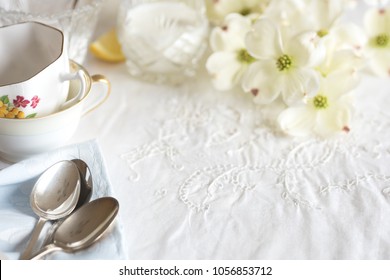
[34, 71]
[20, 139]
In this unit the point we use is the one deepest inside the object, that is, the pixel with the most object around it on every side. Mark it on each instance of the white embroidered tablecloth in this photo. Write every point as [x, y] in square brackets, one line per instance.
[202, 174]
[205, 175]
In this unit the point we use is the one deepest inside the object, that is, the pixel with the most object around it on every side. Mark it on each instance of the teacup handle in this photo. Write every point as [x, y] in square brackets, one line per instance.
[82, 77]
[103, 95]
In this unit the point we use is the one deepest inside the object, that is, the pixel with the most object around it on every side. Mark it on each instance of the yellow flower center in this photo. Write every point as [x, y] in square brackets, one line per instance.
[245, 11]
[320, 102]
[244, 57]
[382, 40]
[322, 33]
[284, 62]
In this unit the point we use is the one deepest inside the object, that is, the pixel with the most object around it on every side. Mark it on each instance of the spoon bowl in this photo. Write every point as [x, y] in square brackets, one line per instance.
[83, 227]
[85, 181]
[86, 187]
[57, 191]
[53, 197]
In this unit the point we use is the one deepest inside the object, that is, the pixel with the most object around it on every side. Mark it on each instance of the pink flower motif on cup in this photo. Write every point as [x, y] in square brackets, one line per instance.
[34, 101]
[20, 101]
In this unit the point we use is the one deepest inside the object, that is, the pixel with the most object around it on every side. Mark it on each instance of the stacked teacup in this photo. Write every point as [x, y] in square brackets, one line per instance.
[34, 71]
[43, 94]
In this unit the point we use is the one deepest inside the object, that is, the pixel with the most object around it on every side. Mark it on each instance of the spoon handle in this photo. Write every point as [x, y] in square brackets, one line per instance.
[34, 237]
[44, 251]
[50, 233]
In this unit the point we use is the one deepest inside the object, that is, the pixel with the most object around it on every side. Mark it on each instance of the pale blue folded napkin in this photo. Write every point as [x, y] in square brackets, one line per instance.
[17, 219]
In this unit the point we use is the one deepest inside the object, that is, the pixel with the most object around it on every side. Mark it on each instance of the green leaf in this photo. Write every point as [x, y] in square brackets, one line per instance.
[4, 99]
[31, 116]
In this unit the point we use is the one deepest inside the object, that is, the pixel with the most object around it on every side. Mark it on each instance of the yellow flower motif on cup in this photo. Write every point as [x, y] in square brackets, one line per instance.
[14, 109]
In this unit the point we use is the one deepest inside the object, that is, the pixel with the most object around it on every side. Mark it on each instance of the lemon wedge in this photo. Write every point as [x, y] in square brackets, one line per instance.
[107, 47]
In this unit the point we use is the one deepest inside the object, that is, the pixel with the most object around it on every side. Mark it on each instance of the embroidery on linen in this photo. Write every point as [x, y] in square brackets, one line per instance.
[234, 142]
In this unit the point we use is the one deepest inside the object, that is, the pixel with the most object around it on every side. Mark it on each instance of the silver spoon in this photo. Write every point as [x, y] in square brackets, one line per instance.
[86, 182]
[86, 187]
[83, 227]
[54, 196]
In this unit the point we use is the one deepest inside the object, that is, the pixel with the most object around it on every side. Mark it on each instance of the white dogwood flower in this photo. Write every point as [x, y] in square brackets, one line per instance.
[328, 112]
[343, 53]
[377, 26]
[221, 8]
[347, 36]
[284, 66]
[377, 3]
[230, 59]
[308, 15]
